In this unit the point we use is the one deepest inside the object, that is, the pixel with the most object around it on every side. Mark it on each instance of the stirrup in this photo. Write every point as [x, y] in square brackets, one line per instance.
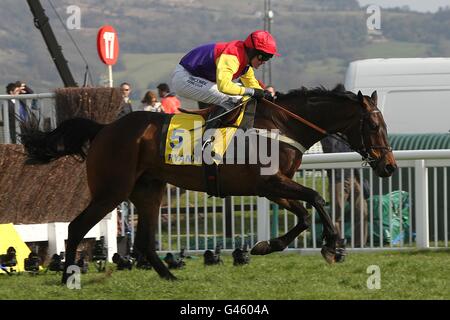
[208, 142]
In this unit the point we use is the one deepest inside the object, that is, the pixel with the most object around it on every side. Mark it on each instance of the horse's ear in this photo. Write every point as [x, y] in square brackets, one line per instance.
[360, 97]
[374, 97]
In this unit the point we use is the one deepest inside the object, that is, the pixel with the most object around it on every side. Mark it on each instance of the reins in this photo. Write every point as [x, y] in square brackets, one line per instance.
[219, 116]
[225, 113]
[308, 123]
[362, 151]
[293, 115]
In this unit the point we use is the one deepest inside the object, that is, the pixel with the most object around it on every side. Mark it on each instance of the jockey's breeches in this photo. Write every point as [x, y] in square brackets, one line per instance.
[188, 86]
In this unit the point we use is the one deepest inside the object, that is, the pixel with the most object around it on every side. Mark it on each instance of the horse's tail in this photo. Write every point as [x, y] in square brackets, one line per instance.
[69, 138]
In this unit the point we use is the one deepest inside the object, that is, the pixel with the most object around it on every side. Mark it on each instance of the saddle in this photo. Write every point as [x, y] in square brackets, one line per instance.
[226, 119]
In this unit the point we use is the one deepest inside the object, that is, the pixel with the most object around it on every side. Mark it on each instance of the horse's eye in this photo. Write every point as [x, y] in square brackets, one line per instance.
[374, 126]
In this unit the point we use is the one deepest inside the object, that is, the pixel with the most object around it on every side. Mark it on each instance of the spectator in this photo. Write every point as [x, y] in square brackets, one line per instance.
[124, 223]
[344, 184]
[126, 108]
[125, 89]
[150, 102]
[15, 89]
[170, 103]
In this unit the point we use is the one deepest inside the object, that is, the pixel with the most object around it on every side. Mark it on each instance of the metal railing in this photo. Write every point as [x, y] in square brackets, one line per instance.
[399, 213]
[42, 104]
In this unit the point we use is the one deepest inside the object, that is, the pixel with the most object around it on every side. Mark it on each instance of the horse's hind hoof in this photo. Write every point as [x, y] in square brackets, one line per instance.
[340, 255]
[170, 277]
[328, 254]
[340, 258]
[265, 247]
[341, 252]
[261, 248]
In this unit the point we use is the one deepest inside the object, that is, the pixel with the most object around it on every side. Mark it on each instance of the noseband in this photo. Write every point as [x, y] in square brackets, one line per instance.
[365, 151]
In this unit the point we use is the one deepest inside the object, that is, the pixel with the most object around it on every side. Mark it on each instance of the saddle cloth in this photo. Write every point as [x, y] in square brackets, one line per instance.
[184, 139]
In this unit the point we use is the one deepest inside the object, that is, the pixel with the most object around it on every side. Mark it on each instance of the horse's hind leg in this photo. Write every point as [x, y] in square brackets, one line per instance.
[147, 196]
[280, 243]
[94, 212]
[281, 186]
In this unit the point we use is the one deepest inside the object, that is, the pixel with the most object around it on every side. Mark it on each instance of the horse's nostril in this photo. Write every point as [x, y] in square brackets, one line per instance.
[391, 168]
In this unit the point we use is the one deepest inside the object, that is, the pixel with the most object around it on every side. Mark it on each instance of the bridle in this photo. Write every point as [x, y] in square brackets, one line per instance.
[363, 150]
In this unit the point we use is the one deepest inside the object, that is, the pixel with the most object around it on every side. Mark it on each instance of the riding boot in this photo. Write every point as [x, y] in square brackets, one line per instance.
[211, 170]
[216, 123]
[212, 123]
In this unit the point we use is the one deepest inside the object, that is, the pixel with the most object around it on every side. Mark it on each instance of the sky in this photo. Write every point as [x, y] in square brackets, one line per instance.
[416, 5]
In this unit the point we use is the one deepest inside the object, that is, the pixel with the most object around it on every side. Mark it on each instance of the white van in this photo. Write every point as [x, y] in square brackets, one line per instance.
[413, 93]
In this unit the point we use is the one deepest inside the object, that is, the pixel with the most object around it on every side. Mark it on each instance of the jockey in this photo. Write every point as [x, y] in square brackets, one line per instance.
[206, 73]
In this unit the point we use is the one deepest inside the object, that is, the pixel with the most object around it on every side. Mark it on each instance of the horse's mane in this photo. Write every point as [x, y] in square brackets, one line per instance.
[338, 92]
[309, 98]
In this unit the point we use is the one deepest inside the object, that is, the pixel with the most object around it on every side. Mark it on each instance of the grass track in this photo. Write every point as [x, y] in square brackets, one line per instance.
[404, 275]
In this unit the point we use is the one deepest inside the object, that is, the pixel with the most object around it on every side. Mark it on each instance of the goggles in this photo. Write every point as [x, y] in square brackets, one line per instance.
[262, 56]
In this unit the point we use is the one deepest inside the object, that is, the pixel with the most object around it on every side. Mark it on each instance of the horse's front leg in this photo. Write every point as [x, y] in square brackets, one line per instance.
[281, 186]
[280, 243]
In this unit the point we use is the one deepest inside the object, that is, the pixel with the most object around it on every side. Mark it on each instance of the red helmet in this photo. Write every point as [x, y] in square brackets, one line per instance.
[263, 41]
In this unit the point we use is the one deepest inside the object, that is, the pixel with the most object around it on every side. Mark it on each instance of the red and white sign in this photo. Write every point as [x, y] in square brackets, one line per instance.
[108, 45]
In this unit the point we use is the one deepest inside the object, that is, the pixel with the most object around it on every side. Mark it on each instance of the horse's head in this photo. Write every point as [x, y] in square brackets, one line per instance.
[369, 137]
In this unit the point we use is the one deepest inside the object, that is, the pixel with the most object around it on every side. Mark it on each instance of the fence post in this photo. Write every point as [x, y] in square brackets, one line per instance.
[275, 214]
[108, 229]
[17, 119]
[421, 203]
[228, 218]
[57, 233]
[6, 133]
[262, 222]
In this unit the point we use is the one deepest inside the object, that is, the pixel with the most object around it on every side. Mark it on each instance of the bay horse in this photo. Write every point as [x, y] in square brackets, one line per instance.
[123, 162]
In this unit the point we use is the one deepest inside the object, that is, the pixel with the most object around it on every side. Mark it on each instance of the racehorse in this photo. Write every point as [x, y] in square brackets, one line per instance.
[123, 162]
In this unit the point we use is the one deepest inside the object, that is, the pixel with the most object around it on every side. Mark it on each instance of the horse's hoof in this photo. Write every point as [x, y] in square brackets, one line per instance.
[168, 276]
[328, 254]
[340, 257]
[261, 248]
[171, 277]
[340, 254]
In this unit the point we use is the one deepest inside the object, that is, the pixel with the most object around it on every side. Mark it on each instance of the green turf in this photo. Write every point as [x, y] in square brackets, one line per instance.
[404, 275]
[142, 69]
